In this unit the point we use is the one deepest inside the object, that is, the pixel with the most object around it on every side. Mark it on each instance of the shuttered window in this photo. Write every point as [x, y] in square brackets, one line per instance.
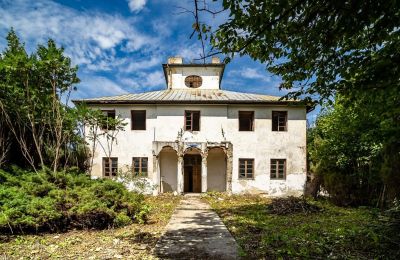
[246, 168]
[279, 120]
[192, 120]
[278, 169]
[110, 166]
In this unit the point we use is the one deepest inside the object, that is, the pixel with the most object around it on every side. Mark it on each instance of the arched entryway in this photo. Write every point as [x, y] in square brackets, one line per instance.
[168, 160]
[192, 171]
[216, 170]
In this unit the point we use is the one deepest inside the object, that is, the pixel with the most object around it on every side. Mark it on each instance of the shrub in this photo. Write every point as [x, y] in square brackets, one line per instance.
[31, 202]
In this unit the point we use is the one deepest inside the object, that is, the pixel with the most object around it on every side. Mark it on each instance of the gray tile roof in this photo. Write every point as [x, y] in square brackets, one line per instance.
[199, 96]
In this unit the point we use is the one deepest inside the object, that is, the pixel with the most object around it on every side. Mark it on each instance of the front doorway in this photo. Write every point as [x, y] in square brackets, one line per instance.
[192, 173]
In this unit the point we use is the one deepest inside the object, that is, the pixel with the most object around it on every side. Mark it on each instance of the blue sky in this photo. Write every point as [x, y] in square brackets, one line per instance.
[119, 45]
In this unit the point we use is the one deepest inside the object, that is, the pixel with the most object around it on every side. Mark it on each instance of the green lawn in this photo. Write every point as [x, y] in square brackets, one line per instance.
[135, 241]
[333, 232]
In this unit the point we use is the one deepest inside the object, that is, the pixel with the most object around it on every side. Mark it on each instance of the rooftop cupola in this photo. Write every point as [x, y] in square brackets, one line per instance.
[179, 75]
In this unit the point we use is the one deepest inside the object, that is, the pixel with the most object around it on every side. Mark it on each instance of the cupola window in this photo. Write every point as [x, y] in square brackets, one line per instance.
[193, 81]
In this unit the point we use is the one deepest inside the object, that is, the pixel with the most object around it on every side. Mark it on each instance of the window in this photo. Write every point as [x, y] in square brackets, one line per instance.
[279, 120]
[246, 120]
[246, 168]
[192, 120]
[278, 169]
[138, 119]
[193, 81]
[110, 166]
[105, 124]
[139, 166]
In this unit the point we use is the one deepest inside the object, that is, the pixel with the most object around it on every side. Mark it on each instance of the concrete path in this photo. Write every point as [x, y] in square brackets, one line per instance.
[196, 232]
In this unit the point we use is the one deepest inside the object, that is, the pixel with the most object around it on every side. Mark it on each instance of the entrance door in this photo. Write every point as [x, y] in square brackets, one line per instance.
[192, 173]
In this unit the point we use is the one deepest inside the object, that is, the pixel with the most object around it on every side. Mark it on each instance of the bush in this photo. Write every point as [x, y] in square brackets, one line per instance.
[31, 202]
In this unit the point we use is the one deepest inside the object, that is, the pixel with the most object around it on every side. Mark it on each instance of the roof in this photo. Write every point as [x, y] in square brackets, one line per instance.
[184, 96]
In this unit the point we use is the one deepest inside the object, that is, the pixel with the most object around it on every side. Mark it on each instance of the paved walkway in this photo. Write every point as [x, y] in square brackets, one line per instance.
[196, 232]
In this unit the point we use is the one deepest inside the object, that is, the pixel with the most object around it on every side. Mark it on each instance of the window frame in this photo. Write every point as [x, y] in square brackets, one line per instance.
[191, 125]
[193, 81]
[246, 173]
[140, 166]
[252, 120]
[133, 119]
[110, 162]
[274, 112]
[276, 169]
[106, 114]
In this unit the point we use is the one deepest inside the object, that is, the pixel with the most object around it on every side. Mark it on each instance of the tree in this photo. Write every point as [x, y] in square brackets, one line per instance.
[33, 89]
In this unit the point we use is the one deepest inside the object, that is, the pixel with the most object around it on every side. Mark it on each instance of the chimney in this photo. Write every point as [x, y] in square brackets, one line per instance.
[175, 60]
[215, 60]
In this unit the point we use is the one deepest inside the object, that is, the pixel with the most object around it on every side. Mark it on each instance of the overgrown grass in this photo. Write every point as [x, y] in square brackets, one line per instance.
[134, 241]
[332, 232]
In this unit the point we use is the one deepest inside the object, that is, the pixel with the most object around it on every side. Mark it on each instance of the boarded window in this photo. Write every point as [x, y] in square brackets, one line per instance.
[246, 168]
[278, 169]
[110, 166]
[107, 124]
[139, 166]
[192, 120]
[138, 119]
[279, 120]
[246, 120]
[193, 81]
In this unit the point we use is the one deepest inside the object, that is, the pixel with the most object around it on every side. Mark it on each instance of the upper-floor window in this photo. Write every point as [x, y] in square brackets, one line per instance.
[193, 81]
[278, 169]
[246, 120]
[279, 120]
[192, 120]
[110, 166]
[139, 166]
[138, 119]
[106, 124]
[246, 168]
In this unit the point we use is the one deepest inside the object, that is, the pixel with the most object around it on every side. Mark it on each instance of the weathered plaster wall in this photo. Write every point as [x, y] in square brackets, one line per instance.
[210, 76]
[168, 169]
[164, 122]
[216, 170]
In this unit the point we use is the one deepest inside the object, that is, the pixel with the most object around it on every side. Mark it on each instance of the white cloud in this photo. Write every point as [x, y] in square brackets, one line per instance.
[136, 5]
[251, 73]
[97, 86]
[89, 38]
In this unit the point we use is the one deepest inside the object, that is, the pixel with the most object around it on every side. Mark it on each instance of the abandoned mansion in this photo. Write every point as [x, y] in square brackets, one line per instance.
[194, 136]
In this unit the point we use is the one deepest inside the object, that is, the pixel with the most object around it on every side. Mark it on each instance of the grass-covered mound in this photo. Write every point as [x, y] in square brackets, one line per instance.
[32, 202]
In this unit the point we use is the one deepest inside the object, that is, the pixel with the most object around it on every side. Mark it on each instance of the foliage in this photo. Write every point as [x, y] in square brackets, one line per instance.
[348, 148]
[65, 200]
[333, 232]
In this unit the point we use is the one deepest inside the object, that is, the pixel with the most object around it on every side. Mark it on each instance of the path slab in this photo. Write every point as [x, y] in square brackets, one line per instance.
[195, 231]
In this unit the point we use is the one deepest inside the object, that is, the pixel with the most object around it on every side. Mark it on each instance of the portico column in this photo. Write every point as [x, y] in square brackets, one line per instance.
[229, 165]
[179, 178]
[156, 175]
[204, 173]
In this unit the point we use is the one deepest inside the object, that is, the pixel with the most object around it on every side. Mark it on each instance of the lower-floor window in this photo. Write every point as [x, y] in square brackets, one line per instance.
[246, 168]
[139, 166]
[278, 169]
[110, 166]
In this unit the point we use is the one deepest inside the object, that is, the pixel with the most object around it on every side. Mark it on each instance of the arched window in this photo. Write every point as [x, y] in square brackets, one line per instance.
[193, 81]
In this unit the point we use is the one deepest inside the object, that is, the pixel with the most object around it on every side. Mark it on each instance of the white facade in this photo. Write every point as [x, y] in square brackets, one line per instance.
[219, 142]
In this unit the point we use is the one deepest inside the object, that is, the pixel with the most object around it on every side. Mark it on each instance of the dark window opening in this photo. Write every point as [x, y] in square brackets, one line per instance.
[192, 120]
[107, 122]
[110, 166]
[139, 166]
[246, 120]
[138, 119]
[279, 120]
[278, 169]
[246, 168]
